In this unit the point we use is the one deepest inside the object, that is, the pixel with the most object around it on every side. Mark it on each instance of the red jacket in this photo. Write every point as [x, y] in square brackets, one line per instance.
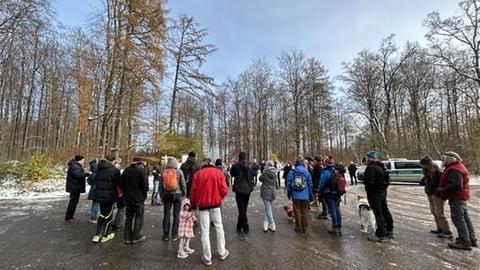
[464, 193]
[208, 188]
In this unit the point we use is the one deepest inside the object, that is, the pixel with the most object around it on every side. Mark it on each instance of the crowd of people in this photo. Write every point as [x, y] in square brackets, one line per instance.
[194, 192]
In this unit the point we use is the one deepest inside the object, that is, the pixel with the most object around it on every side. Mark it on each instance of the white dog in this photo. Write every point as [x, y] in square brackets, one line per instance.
[367, 218]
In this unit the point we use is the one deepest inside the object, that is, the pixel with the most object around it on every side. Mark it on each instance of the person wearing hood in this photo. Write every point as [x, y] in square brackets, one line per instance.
[185, 231]
[107, 179]
[331, 198]
[174, 188]
[208, 191]
[75, 186]
[268, 194]
[299, 190]
[376, 180]
[454, 187]
[189, 168]
[134, 186]
[243, 187]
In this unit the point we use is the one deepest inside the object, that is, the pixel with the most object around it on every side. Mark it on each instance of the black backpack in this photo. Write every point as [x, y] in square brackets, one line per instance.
[299, 181]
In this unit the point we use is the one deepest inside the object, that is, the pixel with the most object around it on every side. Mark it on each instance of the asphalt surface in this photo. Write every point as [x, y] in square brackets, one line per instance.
[33, 236]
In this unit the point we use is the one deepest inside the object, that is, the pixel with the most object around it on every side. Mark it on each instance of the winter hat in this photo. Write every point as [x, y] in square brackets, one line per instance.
[299, 162]
[372, 154]
[427, 161]
[192, 154]
[172, 163]
[242, 156]
[79, 157]
[450, 157]
[269, 164]
[218, 162]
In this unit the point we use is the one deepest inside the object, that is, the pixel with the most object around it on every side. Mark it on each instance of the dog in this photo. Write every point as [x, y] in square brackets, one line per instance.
[290, 212]
[367, 218]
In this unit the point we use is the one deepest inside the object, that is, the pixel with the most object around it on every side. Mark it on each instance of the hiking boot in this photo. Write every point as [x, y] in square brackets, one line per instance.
[266, 226]
[165, 237]
[182, 255]
[224, 256]
[139, 240]
[322, 216]
[445, 236]
[206, 262]
[460, 246]
[175, 238]
[375, 238]
[272, 227]
[108, 237]
[389, 235]
[96, 238]
[189, 250]
[437, 231]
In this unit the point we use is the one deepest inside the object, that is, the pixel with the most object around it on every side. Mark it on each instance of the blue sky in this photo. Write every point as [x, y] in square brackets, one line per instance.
[333, 31]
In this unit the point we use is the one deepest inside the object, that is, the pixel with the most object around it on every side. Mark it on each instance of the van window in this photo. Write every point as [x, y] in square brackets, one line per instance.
[388, 165]
[407, 165]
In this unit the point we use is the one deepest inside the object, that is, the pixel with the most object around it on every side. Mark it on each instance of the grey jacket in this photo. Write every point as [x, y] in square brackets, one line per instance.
[182, 188]
[268, 178]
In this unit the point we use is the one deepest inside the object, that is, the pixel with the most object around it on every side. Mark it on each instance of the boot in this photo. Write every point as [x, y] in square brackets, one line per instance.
[265, 226]
[460, 246]
[339, 231]
[333, 230]
[272, 227]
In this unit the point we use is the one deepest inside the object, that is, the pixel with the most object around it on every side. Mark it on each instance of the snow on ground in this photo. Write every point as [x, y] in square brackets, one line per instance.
[50, 188]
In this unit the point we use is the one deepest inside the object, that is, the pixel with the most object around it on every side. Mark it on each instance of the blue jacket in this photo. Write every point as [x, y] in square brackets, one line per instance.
[303, 195]
[325, 179]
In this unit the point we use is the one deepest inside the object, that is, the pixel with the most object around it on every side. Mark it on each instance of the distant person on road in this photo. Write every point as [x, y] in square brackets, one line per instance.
[189, 168]
[75, 185]
[278, 166]
[134, 185]
[268, 195]
[242, 186]
[95, 208]
[332, 198]
[106, 181]
[376, 180]
[207, 194]
[174, 188]
[299, 190]
[286, 169]
[352, 171]
[255, 167]
[454, 187]
[431, 178]
[157, 188]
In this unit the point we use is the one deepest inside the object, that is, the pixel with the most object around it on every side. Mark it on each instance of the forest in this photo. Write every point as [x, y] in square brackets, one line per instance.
[131, 81]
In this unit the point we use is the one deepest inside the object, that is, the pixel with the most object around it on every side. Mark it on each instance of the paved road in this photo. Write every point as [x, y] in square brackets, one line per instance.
[33, 236]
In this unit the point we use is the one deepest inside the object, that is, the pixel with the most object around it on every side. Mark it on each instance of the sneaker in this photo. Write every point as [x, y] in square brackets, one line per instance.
[375, 238]
[437, 231]
[266, 226]
[175, 238]
[139, 240]
[108, 237]
[182, 255]
[93, 220]
[165, 237]
[322, 216]
[272, 227]
[445, 236]
[128, 242]
[332, 231]
[72, 221]
[339, 232]
[206, 262]
[459, 246]
[189, 250]
[224, 256]
[96, 238]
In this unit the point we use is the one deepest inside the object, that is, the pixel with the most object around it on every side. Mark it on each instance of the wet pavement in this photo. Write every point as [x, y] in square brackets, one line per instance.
[33, 236]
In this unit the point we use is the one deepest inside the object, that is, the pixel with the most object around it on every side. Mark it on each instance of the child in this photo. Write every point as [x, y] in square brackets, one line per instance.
[290, 212]
[185, 230]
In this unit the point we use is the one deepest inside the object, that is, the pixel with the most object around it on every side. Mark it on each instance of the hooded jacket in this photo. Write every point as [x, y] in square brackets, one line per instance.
[172, 164]
[187, 218]
[302, 195]
[107, 179]
[243, 174]
[75, 177]
[268, 179]
[208, 188]
[326, 179]
[376, 177]
[134, 184]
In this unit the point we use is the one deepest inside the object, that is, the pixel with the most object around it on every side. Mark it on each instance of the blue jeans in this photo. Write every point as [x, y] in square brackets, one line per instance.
[157, 190]
[333, 202]
[268, 211]
[94, 210]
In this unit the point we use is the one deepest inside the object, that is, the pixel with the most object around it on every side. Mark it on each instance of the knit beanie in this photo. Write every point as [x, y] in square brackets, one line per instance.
[427, 161]
[372, 154]
[79, 157]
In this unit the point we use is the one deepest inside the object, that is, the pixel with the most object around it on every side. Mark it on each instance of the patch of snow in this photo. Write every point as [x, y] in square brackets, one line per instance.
[475, 181]
[51, 188]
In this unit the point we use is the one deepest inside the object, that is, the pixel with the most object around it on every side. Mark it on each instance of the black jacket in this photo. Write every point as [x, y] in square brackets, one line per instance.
[75, 177]
[189, 168]
[431, 179]
[106, 182]
[134, 184]
[352, 169]
[243, 175]
[376, 177]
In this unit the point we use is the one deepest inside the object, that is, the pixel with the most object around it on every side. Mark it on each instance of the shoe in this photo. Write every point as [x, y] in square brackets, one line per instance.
[108, 237]
[206, 262]
[322, 216]
[474, 244]
[239, 228]
[165, 237]
[72, 221]
[93, 220]
[266, 226]
[332, 230]
[375, 238]
[445, 236]
[182, 255]
[139, 240]
[437, 231]
[189, 250]
[272, 227]
[224, 256]
[128, 242]
[389, 235]
[459, 246]
[246, 228]
[339, 231]
[96, 238]
[297, 230]
[175, 238]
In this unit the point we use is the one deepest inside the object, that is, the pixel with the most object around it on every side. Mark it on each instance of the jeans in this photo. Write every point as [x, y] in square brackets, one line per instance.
[333, 202]
[324, 207]
[301, 208]
[94, 210]
[242, 204]
[268, 212]
[216, 217]
[171, 201]
[157, 190]
[353, 177]
[134, 221]
[72, 205]
[105, 218]
[461, 220]
[378, 202]
[437, 208]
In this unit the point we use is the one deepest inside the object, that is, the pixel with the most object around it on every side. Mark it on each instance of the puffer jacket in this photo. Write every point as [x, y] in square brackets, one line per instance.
[243, 174]
[107, 179]
[268, 179]
[75, 177]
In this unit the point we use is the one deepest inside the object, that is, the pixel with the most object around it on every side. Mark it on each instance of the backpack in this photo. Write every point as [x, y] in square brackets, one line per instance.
[299, 181]
[338, 184]
[170, 180]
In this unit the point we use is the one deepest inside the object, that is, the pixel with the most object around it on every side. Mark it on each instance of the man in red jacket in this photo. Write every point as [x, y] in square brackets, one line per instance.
[454, 187]
[207, 193]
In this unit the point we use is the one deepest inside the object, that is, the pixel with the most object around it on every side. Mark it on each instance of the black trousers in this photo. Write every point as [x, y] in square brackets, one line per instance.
[72, 205]
[104, 220]
[171, 201]
[242, 204]
[352, 177]
[378, 202]
[134, 220]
